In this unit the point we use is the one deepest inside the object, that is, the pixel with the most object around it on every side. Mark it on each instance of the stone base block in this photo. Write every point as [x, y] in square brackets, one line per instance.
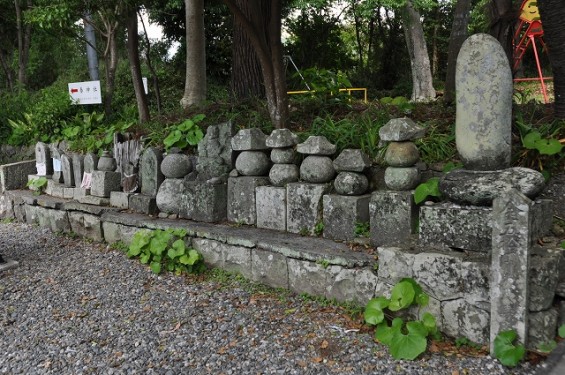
[68, 192]
[459, 227]
[119, 199]
[343, 213]
[169, 196]
[393, 217]
[54, 189]
[242, 198]
[204, 202]
[271, 207]
[542, 327]
[114, 232]
[544, 276]
[86, 225]
[461, 319]
[57, 221]
[227, 257]
[91, 199]
[104, 182]
[144, 204]
[304, 206]
[80, 192]
[15, 175]
[269, 268]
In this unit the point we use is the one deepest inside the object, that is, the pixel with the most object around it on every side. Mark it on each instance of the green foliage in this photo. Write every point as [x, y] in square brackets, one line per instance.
[165, 249]
[399, 101]
[545, 146]
[38, 185]
[319, 228]
[547, 347]
[561, 330]
[541, 147]
[506, 351]
[362, 229]
[464, 341]
[323, 262]
[187, 133]
[404, 340]
[427, 189]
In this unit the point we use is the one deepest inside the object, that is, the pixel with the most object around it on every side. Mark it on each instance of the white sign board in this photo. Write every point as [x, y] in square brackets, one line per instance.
[85, 92]
[145, 87]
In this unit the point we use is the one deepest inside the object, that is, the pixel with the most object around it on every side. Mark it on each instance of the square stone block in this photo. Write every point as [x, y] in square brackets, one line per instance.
[342, 213]
[104, 182]
[204, 202]
[461, 319]
[393, 217]
[271, 207]
[242, 198]
[269, 268]
[119, 199]
[144, 204]
[460, 227]
[97, 201]
[86, 225]
[54, 189]
[80, 192]
[304, 206]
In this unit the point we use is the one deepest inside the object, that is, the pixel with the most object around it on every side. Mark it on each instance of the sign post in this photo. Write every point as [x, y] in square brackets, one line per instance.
[85, 92]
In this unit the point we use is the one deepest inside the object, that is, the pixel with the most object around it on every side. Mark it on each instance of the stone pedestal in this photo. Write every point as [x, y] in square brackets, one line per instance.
[271, 207]
[204, 202]
[103, 182]
[119, 199]
[342, 213]
[459, 227]
[54, 189]
[144, 204]
[169, 197]
[393, 217]
[305, 206]
[242, 199]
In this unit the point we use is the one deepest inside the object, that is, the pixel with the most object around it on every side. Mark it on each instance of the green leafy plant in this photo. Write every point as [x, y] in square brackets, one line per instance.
[323, 262]
[464, 341]
[563, 245]
[506, 351]
[405, 340]
[38, 185]
[187, 133]
[427, 189]
[319, 228]
[362, 229]
[546, 146]
[165, 249]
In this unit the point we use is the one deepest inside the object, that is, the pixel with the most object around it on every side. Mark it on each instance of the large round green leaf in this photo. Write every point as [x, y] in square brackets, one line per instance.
[374, 310]
[402, 296]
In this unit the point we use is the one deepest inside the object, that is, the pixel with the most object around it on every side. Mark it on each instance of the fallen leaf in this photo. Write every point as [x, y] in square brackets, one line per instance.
[317, 359]
[324, 344]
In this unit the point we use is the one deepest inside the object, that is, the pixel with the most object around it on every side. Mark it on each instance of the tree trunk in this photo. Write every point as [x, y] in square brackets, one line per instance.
[246, 77]
[268, 48]
[503, 16]
[24, 42]
[154, 77]
[456, 38]
[110, 62]
[552, 13]
[8, 73]
[135, 66]
[422, 89]
[195, 83]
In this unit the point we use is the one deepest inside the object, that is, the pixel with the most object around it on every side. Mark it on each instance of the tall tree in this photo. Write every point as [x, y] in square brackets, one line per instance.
[552, 13]
[267, 44]
[135, 65]
[422, 82]
[246, 77]
[458, 35]
[503, 15]
[195, 83]
[24, 40]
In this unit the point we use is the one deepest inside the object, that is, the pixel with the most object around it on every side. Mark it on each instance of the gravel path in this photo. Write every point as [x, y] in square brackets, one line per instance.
[74, 307]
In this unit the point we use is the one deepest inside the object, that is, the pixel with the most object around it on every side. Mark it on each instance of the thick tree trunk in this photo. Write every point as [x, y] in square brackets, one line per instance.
[552, 13]
[24, 42]
[195, 83]
[110, 62]
[422, 89]
[503, 16]
[135, 66]
[246, 78]
[268, 48]
[8, 73]
[458, 35]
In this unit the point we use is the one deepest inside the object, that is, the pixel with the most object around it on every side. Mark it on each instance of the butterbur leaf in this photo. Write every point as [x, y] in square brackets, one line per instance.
[145, 258]
[530, 139]
[191, 258]
[505, 351]
[385, 333]
[194, 137]
[155, 267]
[402, 296]
[374, 310]
[422, 299]
[427, 189]
[176, 250]
[548, 146]
[186, 125]
[181, 233]
[561, 330]
[547, 347]
[172, 138]
[199, 117]
[408, 346]
[429, 322]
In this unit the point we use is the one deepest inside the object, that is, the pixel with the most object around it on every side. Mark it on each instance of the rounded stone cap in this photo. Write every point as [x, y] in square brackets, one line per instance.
[176, 165]
[252, 163]
[317, 169]
[402, 154]
[351, 183]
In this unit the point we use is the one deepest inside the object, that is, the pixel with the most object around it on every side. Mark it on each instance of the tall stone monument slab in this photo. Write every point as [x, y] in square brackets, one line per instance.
[43, 161]
[67, 170]
[511, 245]
[484, 104]
[151, 175]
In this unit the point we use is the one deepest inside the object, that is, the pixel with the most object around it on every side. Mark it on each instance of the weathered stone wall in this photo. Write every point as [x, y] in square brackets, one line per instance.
[457, 283]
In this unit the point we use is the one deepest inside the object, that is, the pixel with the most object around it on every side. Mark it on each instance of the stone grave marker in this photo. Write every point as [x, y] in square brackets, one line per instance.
[43, 161]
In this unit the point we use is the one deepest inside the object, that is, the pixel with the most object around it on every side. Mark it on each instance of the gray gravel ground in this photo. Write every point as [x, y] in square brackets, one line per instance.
[74, 307]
